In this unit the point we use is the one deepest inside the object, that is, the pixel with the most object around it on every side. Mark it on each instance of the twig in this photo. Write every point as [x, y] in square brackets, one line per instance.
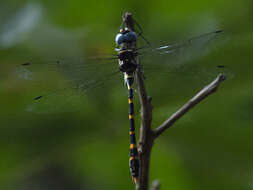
[206, 91]
[147, 135]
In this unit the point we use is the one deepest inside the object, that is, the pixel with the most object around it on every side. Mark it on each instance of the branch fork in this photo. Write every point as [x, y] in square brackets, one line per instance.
[148, 136]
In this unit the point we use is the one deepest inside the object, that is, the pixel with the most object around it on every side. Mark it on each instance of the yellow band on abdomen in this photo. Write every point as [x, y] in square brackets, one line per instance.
[130, 101]
[130, 116]
[132, 146]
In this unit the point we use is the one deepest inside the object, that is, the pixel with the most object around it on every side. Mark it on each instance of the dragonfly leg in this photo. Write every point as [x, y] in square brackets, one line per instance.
[141, 34]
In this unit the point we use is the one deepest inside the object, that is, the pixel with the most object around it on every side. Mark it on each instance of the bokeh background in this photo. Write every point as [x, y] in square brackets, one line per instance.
[81, 142]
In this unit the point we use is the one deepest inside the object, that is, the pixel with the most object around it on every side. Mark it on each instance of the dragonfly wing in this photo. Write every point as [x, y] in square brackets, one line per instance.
[180, 53]
[171, 48]
[73, 68]
[71, 97]
[176, 56]
[184, 66]
[62, 83]
[197, 40]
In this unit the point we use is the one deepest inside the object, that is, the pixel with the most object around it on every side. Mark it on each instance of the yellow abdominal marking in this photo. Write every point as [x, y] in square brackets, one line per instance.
[130, 101]
[131, 158]
[130, 116]
[132, 146]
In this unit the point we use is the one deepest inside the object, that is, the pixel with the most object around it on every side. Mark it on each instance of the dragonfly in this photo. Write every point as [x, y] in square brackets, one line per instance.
[90, 73]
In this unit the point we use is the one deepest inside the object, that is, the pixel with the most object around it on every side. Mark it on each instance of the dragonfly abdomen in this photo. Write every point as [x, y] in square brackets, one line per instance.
[134, 159]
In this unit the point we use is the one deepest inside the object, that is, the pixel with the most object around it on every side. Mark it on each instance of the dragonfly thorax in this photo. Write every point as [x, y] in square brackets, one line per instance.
[127, 60]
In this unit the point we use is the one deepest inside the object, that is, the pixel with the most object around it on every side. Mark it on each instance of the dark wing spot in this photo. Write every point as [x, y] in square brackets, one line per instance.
[38, 97]
[25, 64]
[218, 31]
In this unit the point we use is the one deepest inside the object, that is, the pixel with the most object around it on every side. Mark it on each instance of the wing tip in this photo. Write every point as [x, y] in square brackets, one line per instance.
[218, 31]
[26, 64]
[38, 97]
[220, 66]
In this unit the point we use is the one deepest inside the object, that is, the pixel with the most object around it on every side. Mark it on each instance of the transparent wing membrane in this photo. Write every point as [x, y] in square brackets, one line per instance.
[184, 60]
[183, 67]
[70, 97]
[64, 83]
[195, 40]
[75, 69]
[173, 47]
[176, 56]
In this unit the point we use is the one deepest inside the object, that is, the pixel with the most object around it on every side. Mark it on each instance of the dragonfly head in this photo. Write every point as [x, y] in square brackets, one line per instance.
[125, 36]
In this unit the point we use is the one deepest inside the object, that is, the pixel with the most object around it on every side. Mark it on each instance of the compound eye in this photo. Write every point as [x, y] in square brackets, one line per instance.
[131, 36]
[119, 39]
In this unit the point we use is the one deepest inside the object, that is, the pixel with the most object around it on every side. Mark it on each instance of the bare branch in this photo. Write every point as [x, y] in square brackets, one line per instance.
[205, 92]
[145, 101]
[146, 134]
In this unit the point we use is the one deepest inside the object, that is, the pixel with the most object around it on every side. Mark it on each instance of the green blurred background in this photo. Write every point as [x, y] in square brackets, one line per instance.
[87, 148]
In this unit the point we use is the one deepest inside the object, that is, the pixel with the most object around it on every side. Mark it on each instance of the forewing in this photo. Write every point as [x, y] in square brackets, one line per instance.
[63, 83]
[184, 66]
